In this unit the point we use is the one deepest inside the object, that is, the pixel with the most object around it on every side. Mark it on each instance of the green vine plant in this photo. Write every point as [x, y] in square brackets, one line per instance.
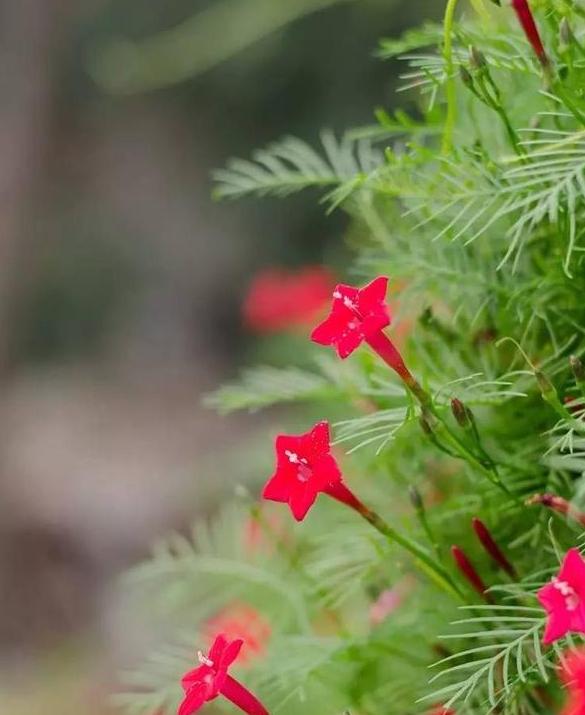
[473, 203]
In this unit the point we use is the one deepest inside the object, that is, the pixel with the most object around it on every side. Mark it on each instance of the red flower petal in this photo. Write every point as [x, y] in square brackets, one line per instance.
[319, 440]
[194, 676]
[348, 342]
[217, 649]
[276, 489]
[326, 472]
[372, 296]
[329, 331]
[573, 571]
[193, 700]
[231, 652]
[302, 497]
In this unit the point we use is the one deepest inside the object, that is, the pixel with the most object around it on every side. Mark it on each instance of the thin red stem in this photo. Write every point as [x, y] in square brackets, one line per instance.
[343, 494]
[241, 697]
[381, 344]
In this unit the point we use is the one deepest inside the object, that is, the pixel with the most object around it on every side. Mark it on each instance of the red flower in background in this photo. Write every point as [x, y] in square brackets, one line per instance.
[305, 468]
[279, 299]
[387, 602]
[211, 678]
[564, 599]
[440, 710]
[573, 677]
[526, 18]
[240, 621]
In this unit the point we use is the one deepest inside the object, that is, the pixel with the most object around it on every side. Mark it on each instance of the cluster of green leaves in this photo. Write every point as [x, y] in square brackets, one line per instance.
[484, 234]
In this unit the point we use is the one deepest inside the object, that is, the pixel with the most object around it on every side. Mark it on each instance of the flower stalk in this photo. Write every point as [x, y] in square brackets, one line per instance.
[424, 560]
[242, 698]
[483, 86]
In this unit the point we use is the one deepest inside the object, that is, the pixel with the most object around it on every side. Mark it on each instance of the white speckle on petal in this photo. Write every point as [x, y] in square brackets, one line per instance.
[568, 593]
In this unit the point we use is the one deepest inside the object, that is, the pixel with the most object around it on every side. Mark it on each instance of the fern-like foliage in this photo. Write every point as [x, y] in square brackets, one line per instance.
[473, 204]
[291, 165]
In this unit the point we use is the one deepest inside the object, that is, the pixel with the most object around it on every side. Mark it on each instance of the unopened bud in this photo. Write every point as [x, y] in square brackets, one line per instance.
[577, 368]
[497, 2]
[558, 504]
[461, 413]
[467, 569]
[466, 77]
[415, 498]
[489, 544]
[476, 58]
[545, 385]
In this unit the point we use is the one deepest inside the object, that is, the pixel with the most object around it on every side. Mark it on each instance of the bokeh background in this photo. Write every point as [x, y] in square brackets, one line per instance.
[121, 284]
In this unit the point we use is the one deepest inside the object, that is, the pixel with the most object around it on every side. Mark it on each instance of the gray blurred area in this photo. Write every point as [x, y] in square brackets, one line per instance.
[121, 281]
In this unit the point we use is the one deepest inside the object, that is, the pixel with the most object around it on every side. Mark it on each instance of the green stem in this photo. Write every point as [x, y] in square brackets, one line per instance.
[422, 557]
[491, 96]
[451, 91]
[568, 102]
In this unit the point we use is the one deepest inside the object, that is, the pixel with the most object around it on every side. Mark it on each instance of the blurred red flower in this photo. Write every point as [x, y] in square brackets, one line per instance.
[279, 299]
[240, 621]
[264, 531]
[573, 677]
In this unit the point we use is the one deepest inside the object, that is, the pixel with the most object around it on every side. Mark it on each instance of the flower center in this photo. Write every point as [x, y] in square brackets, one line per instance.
[204, 660]
[304, 471]
[568, 592]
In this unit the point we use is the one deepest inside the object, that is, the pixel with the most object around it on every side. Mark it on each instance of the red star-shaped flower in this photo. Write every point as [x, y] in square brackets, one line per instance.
[564, 599]
[357, 314]
[211, 678]
[305, 467]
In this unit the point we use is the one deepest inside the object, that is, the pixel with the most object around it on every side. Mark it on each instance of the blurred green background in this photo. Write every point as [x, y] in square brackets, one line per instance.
[121, 283]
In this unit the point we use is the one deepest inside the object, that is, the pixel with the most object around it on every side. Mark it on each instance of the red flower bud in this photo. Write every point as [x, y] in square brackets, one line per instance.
[468, 570]
[558, 504]
[489, 544]
[526, 18]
